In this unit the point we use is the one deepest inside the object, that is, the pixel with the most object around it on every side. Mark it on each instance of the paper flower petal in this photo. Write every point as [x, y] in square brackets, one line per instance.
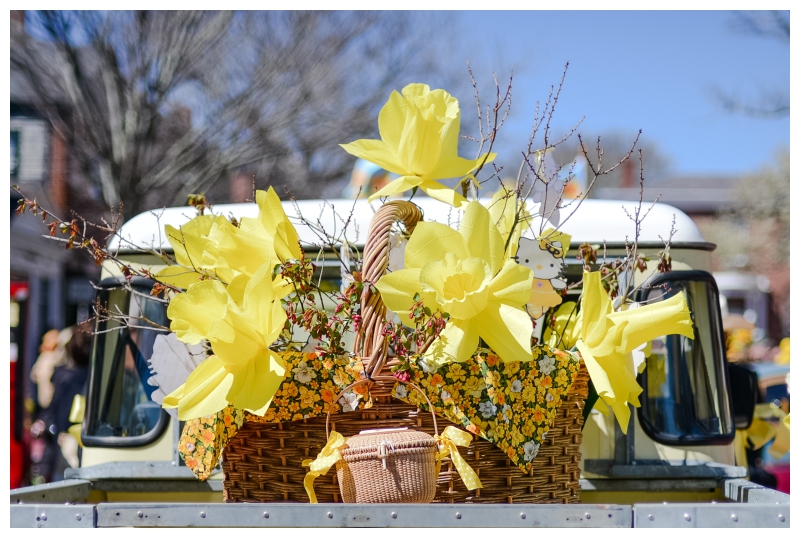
[456, 343]
[440, 192]
[482, 238]
[507, 330]
[286, 241]
[374, 151]
[430, 241]
[264, 376]
[398, 289]
[397, 186]
[194, 312]
[205, 391]
[512, 285]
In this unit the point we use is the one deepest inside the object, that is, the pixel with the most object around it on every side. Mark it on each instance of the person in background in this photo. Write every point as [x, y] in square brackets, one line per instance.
[368, 177]
[51, 354]
[68, 380]
[43, 447]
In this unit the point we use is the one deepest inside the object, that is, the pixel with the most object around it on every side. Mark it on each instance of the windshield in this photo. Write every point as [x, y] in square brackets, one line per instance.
[685, 397]
[120, 403]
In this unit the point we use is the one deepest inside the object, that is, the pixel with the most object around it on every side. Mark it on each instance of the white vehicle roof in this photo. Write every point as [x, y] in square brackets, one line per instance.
[596, 221]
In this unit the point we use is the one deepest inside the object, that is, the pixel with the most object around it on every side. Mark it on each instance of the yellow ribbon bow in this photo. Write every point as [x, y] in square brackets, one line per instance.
[325, 460]
[451, 438]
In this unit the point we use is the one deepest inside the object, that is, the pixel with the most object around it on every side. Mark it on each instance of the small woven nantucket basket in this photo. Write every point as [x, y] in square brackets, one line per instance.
[263, 462]
[395, 465]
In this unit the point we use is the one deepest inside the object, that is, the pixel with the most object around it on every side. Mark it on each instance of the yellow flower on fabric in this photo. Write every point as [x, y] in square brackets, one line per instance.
[243, 371]
[464, 274]
[419, 142]
[606, 338]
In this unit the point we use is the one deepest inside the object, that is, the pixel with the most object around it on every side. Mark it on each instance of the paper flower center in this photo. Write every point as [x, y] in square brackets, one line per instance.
[460, 286]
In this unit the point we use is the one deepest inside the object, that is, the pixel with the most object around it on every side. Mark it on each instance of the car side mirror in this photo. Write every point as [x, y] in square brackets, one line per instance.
[744, 393]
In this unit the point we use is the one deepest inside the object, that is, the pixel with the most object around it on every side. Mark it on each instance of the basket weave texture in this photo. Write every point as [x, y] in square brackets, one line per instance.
[263, 462]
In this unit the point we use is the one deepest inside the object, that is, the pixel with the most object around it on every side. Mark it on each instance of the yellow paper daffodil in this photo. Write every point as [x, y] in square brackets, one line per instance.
[464, 273]
[212, 245]
[419, 142]
[190, 244]
[243, 371]
[565, 329]
[607, 337]
[503, 208]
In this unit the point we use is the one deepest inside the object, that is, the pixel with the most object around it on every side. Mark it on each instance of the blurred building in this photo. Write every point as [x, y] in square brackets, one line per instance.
[50, 286]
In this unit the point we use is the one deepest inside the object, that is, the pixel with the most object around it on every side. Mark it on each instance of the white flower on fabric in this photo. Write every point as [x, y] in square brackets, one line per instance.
[401, 391]
[428, 368]
[547, 188]
[445, 395]
[487, 409]
[547, 365]
[303, 373]
[349, 401]
[549, 397]
[506, 412]
[190, 447]
[531, 449]
[516, 386]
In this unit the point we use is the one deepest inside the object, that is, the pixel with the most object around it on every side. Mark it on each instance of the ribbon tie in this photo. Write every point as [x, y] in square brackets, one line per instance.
[325, 460]
[451, 438]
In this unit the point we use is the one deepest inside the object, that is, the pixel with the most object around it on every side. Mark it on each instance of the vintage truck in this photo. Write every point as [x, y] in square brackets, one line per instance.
[677, 465]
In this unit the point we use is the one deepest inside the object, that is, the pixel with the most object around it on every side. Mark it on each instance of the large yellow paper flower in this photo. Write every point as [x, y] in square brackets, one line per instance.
[419, 142]
[212, 245]
[607, 337]
[243, 371]
[503, 208]
[464, 273]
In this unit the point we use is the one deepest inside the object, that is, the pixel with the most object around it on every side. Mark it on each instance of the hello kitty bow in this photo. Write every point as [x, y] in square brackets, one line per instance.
[466, 274]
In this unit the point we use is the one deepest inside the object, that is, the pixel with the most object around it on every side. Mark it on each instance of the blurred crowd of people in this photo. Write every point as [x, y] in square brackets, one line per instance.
[60, 373]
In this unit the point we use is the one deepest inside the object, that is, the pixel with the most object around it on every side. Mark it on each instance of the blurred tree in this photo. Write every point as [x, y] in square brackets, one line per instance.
[156, 105]
[615, 145]
[773, 103]
[753, 236]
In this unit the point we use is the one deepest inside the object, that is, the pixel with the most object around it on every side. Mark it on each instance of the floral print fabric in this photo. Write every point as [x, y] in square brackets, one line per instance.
[307, 391]
[510, 404]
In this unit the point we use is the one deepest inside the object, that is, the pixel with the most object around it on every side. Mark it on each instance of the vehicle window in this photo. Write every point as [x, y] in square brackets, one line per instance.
[685, 386]
[119, 393]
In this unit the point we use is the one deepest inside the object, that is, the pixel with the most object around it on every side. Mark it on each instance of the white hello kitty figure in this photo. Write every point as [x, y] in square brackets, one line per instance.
[545, 258]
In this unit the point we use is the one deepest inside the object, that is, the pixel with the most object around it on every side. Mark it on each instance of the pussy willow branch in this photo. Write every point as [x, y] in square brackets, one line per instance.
[80, 238]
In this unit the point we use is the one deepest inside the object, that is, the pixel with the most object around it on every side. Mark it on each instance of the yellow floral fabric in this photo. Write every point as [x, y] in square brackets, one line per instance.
[307, 391]
[510, 404]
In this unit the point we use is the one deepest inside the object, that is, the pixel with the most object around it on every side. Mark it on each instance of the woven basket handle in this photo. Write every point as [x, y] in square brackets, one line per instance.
[369, 342]
[330, 407]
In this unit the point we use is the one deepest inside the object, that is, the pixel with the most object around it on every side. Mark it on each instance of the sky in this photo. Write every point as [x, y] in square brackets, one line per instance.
[630, 70]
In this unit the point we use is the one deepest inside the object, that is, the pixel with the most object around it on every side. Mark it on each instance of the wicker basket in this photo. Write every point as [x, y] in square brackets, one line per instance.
[263, 462]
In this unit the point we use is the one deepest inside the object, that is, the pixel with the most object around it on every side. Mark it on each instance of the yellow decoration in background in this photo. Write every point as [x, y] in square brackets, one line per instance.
[326, 459]
[607, 337]
[449, 440]
[783, 355]
[419, 142]
[243, 371]
[465, 274]
[765, 428]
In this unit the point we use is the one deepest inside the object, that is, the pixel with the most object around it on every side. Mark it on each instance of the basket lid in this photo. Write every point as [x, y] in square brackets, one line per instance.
[397, 441]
